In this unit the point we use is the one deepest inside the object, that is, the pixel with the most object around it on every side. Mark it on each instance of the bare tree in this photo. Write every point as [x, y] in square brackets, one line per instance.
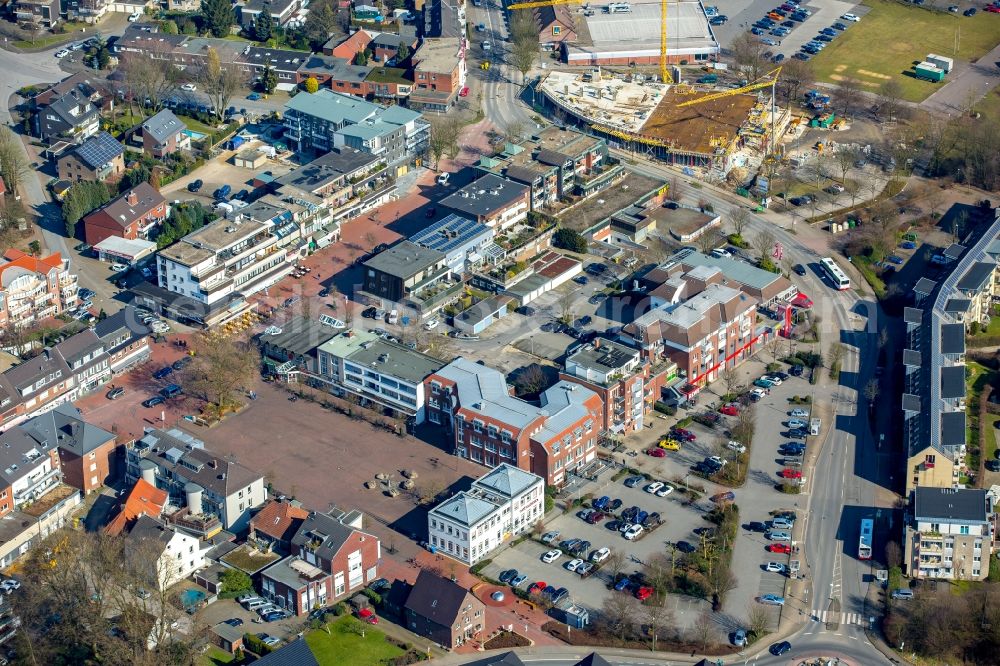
[746, 425]
[514, 131]
[852, 188]
[221, 81]
[722, 581]
[445, 133]
[763, 242]
[221, 369]
[731, 380]
[795, 75]
[739, 218]
[566, 307]
[657, 617]
[658, 572]
[14, 165]
[619, 612]
[847, 96]
[707, 241]
[748, 53]
[149, 76]
[774, 347]
[704, 630]
[615, 563]
[893, 554]
[757, 619]
[891, 95]
[844, 160]
[530, 380]
[872, 391]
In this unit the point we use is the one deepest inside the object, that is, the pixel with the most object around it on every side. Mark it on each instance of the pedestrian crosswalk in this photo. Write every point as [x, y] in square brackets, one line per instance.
[831, 617]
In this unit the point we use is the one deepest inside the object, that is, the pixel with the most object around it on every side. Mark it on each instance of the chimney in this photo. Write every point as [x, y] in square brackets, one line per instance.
[132, 198]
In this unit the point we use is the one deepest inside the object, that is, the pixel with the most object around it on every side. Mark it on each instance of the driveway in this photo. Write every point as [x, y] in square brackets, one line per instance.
[967, 86]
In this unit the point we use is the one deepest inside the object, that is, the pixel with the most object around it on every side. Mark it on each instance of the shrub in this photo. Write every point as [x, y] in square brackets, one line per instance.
[664, 408]
[479, 566]
[256, 645]
[373, 596]
[567, 239]
[737, 240]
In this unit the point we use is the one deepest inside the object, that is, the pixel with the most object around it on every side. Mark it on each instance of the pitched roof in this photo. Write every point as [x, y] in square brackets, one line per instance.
[328, 532]
[98, 150]
[129, 207]
[162, 126]
[465, 509]
[63, 427]
[279, 519]
[195, 464]
[507, 480]
[17, 259]
[150, 530]
[483, 390]
[296, 653]
[436, 599]
[142, 500]
[505, 659]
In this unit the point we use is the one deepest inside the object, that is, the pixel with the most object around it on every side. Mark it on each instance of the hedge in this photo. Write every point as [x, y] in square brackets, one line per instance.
[256, 645]
[479, 566]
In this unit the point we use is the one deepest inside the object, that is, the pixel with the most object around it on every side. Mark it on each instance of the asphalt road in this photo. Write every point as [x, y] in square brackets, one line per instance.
[501, 82]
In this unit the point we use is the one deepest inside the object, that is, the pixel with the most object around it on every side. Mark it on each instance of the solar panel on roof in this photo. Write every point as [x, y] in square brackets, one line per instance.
[99, 149]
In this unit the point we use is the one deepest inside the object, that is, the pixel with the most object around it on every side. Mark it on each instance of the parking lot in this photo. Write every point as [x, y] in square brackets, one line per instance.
[759, 498]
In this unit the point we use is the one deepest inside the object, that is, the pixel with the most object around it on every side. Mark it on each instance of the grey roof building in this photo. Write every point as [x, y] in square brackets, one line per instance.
[296, 341]
[404, 270]
[329, 171]
[443, 611]
[163, 125]
[296, 653]
[99, 149]
[70, 116]
[465, 242]
[965, 505]
[64, 427]
[493, 200]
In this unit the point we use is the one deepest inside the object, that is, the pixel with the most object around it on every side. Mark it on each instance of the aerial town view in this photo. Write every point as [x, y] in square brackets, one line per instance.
[553, 333]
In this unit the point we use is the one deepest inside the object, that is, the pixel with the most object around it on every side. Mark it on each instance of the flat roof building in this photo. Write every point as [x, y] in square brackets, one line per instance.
[497, 202]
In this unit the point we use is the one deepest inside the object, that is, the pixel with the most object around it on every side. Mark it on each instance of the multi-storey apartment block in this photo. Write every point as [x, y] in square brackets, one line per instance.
[628, 382]
[494, 201]
[500, 505]
[220, 264]
[34, 288]
[490, 426]
[949, 534]
[703, 325]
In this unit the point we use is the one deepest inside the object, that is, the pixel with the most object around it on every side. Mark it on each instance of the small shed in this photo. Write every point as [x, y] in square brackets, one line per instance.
[227, 637]
[251, 158]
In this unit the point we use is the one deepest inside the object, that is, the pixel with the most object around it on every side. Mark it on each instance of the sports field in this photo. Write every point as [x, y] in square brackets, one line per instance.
[892, 37]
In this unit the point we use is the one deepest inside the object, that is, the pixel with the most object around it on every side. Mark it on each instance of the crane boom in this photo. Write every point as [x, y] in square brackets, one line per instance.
[664, 73]
[767, 80]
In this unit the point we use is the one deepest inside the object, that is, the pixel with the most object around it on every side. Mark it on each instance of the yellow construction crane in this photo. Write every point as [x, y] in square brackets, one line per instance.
[766, 81]
[664, 72]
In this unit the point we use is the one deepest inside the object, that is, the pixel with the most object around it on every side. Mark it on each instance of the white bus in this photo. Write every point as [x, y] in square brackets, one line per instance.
[836, 275]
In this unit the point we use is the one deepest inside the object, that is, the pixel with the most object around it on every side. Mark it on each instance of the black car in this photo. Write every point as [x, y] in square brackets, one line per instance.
[573, 332]
[971, 11]
[154, 401]
[596, 299]
[508, 575]
[549, 327]
[323, 293]
[778, 58]
[195, 185]
[369, 313]
[526, 310]
[839, 26]
[381, 584]
[798, 433]
[756, 526]
[242, 195]
[993, 465]
[801, 56]
[781, 648]
[81, 247]
[799, 269]
[180, 363]
[685, 547]
[630, 513]
[780, 375]
[796, 370]
[580, 279]
[163, 372]
[615, 505]
[585, 320]
[381, 247]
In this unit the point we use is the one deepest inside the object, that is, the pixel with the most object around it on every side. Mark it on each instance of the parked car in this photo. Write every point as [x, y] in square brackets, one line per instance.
[116, 393]
[633, 481]
[518, 580]
[685, 547]
[778, 535]
[633, 532]
[537, 588]
[154, 401]
[781, 648]
[600, 555]
[549, 537]
[731, 409]
[774, 567]
[653, 487]
[781, 548]
[772, 599]
[740, 638]
[573, 564]
[551, 556]
[163, 372]
[195, 185]
[507, 576]
[756, 526]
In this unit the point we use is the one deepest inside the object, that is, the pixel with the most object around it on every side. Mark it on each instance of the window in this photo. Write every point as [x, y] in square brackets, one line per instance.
[963, 529]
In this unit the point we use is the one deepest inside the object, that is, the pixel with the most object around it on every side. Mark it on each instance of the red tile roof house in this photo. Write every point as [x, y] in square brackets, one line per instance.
[132, 215]
[276, 523]
[350, 47]
[331, 559]
[163, 134]
[555, 25]
[491, 426]
[443, 611]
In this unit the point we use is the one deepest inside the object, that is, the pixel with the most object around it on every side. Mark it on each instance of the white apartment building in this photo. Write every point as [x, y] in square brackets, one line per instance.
[178, 555]
[222, 262]
[500, 505]
[949, 535]
[361, 363]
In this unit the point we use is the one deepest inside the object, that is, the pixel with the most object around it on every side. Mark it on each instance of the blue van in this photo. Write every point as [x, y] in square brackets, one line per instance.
[171, 390]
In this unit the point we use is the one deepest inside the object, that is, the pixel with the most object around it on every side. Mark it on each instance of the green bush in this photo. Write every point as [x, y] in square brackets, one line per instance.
[373, 596]
[234, 580]
[664, 408]
[737, 240]
[479, 566]
[256, 645]
[567, 239]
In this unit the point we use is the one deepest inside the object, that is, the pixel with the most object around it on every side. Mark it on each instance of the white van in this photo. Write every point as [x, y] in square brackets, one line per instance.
[393, 317]
[255, 604]
[633, 532]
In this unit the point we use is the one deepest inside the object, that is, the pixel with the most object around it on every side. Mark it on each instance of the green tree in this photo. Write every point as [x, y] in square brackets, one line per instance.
[403, 52]
[218, 16]
[263, 27]
[35, 248]
[81, 199]
[103, 57]
[234, 580]
[134, 176]
[361, 58]
[312, 85]
[571, 240]
[169, 27]
[268, 79]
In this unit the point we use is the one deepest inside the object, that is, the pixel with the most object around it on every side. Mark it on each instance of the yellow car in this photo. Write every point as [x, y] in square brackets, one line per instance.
[484, 65]
[670, 444]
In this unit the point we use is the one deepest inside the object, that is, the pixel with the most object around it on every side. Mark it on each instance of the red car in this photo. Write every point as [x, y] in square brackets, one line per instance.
[643, 593]
[779, 548]
[464, 92]
[993, 9]
[790, 473]
[683, 434]
[730, 410]
[595, 517]
[537, 588]
[368, 615]
[657, 453]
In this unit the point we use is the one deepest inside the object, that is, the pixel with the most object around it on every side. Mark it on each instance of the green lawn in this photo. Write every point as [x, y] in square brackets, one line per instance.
[196, 125]
[989, 106]
[44, 42]
[893, 36]
[215, 657]
[343, 646]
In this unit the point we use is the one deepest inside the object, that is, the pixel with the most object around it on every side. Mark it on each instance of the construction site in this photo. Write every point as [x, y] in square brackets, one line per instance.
[689, 125]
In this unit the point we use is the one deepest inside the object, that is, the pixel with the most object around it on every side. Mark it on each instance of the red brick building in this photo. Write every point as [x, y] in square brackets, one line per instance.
[132, 215]
[628, 382]
[556, 24]
[331, 558]
[439, 72]
[490, 426]
[350, 47]
[276, 523]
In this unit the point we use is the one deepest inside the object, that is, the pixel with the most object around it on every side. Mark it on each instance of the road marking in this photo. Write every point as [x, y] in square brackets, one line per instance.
[831, 617]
